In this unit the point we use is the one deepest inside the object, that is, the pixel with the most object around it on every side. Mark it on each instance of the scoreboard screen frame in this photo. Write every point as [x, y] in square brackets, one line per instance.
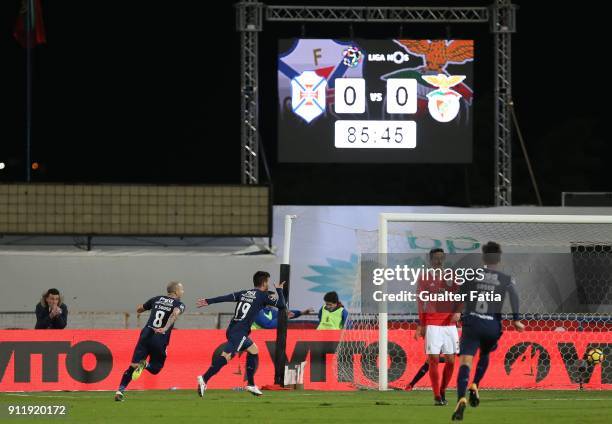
[375, 101]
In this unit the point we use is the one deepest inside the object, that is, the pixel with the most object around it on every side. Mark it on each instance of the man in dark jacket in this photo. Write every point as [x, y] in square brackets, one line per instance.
[51, 312]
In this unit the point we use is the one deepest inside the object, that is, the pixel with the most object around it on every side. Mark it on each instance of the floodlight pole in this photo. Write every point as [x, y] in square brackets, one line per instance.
[503, 25]
[249, 20]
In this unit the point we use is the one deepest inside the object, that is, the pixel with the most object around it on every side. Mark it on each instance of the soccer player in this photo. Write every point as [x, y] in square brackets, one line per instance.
[421, 373]
[267, 319]
[482, 327]
[155, 336]
[248, 305]
[437, 327]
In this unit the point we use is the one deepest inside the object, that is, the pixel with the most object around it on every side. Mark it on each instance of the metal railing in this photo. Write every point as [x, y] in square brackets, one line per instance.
[124, 320]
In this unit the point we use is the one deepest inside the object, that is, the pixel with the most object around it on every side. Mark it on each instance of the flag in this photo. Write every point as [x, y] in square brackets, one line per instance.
[30, 24]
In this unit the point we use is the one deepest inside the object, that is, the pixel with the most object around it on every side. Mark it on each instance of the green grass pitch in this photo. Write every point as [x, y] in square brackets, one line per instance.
[316, 407]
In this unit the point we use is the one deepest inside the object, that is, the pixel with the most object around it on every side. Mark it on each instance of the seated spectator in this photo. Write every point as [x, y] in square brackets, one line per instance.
[332, 316]
[51, 312]
[268, 317]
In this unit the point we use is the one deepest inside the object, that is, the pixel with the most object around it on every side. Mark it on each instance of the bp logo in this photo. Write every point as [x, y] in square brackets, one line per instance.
[337, 275]
[443, 103]
[308, 95]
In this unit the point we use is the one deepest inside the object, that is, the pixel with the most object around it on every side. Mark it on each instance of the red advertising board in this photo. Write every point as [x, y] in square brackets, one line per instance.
[32, 360]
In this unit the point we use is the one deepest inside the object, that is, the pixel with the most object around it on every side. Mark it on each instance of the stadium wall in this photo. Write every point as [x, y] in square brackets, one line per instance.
[33, 360]
[324, 257]
[118, 280]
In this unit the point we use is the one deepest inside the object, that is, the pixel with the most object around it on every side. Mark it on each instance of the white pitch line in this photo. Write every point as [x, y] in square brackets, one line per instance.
[573, 400]
[51, 396]
[297, 396]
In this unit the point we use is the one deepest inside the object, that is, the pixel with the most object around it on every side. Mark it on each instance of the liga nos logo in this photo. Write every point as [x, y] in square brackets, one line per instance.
[443, 103]
[352, 57]
[308, 95]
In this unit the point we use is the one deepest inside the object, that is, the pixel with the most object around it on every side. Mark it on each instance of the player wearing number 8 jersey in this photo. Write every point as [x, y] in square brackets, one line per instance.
[248, 305]
[155, 336]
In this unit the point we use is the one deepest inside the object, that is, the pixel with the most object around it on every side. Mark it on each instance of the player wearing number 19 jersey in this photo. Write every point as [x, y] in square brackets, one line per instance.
[248, 305]
[155, 336]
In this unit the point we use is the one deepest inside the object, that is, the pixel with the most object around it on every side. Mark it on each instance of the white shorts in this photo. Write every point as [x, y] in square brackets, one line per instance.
[441, 339]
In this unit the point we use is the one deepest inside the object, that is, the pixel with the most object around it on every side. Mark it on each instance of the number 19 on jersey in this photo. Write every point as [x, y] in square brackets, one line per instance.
[242, 309]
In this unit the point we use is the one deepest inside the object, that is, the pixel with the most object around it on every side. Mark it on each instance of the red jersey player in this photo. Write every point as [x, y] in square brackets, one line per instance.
[437, 327]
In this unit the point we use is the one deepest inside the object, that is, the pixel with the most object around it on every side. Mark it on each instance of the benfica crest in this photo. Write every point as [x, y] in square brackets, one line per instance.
[308, 95]
[443, 103]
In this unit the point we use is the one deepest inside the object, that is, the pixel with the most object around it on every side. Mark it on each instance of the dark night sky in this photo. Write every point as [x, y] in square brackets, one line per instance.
[142, 91]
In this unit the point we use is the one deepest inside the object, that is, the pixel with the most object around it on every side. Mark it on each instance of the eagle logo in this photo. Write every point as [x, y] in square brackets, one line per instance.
[437, 54]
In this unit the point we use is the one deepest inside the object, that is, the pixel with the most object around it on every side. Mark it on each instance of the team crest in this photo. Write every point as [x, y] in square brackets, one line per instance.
[329, 59]
[308, 95]
[443, 103]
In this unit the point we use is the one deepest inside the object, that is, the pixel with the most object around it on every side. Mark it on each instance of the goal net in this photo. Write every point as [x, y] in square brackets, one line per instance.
[563, 268]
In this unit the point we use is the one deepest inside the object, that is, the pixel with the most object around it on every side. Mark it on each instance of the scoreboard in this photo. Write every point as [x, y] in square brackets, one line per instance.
[378, 101]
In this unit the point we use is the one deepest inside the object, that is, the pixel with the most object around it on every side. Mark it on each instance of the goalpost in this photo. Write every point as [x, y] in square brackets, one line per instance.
[586, 235]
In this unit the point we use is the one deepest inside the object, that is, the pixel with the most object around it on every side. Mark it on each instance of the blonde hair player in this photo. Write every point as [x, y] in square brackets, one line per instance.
[155, 335]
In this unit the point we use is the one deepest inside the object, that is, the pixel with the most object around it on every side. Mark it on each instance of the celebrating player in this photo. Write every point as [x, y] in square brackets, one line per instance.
[482, 326]
[248, 305]
[437, 326]
[155, 336]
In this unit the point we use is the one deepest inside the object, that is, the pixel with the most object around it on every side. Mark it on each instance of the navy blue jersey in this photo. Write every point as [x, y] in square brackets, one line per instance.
[248, 305]
[494, 281]
[161, 308]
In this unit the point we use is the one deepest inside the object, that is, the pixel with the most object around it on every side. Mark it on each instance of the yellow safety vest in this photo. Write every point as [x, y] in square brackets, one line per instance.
[331, 320]
[256, 326]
